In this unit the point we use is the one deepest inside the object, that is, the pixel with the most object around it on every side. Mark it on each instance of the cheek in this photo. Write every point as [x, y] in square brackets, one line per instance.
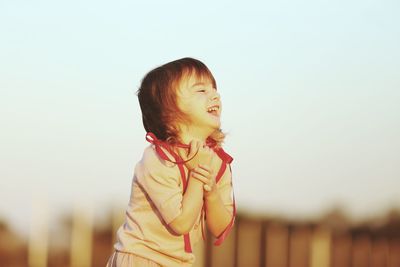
[186, 112]
[183, 102]
[184, 108]
[189, 105]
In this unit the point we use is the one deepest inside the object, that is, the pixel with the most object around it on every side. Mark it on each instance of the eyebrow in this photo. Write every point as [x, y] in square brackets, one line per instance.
[197, 84]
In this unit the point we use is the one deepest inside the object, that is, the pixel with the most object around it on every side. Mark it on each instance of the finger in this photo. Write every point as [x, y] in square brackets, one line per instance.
[199, 177]
[207, 188]
[202, 172]
[204, 167]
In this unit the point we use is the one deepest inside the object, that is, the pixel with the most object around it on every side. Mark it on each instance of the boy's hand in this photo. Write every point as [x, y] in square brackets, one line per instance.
[203, 165]
[199, 153]
[204, 174]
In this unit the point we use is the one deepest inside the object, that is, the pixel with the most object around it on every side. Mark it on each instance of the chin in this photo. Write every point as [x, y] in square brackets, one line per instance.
[215, 124]
[215, 127]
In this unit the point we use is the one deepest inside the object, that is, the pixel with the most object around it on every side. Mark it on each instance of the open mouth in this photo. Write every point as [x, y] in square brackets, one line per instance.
[214, 110]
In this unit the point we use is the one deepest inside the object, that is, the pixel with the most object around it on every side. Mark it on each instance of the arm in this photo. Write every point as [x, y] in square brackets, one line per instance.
[192, 203]
[218, 217]
[216, 199]
[162, 184]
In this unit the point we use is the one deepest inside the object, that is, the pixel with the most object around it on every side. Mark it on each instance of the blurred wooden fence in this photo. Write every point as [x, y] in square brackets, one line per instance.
[278, 244]
[254, 242]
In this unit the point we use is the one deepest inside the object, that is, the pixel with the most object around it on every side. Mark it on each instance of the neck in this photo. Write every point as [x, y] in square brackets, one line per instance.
[187, 134]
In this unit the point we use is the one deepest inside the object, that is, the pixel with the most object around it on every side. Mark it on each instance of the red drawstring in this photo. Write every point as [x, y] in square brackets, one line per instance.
[150, 137]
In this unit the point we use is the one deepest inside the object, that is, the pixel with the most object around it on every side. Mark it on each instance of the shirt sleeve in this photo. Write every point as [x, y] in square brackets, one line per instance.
[226, 189]
[162, 183]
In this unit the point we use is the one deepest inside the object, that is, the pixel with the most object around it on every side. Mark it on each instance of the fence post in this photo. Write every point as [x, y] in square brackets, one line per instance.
[299, 241]
[320, 248]
[394, 252]
[361, 250]
[81, 237]
[380, 253]
[277, 245]
[39, 233]
[249, 242]
[341, 249]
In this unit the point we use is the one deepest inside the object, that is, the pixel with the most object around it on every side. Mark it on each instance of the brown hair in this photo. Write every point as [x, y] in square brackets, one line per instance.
[157, 98]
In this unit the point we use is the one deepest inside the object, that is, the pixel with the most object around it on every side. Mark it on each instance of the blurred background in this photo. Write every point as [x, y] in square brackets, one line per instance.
[310, 93]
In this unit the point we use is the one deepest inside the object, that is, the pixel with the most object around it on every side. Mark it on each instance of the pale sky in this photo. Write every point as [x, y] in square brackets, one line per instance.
[310, 92]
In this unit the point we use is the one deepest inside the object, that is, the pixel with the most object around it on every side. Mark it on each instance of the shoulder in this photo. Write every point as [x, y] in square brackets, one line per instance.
[150, 155]
[151, 159]
[153, 168]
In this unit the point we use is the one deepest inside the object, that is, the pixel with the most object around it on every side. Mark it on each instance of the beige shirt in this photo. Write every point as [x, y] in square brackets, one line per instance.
[156, 200]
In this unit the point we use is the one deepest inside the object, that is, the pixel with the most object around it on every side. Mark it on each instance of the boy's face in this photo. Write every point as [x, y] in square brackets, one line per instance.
[195, 98]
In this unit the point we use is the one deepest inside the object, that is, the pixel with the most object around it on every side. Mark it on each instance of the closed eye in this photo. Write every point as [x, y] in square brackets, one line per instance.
[205, 90]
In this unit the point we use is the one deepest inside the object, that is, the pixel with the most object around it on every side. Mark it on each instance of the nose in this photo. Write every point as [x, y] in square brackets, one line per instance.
[215, 95]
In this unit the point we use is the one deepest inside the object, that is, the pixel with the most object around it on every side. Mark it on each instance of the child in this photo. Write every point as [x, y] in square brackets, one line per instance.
[182, 181]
